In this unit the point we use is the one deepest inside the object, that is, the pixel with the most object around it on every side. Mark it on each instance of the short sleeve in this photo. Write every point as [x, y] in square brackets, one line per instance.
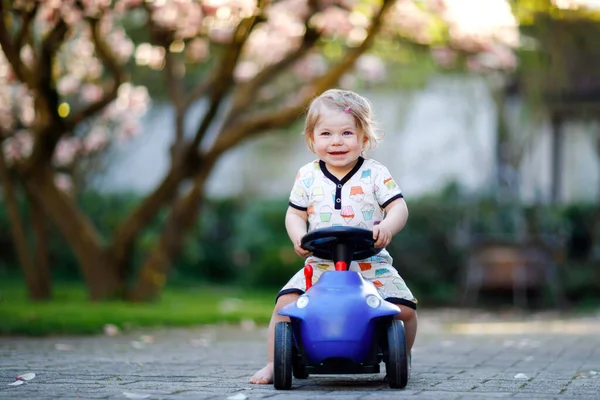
[386, 189]
[299, 196]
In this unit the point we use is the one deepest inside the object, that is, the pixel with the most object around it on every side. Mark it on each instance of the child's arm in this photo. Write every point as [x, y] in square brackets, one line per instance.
[396, 214]
[295, 224]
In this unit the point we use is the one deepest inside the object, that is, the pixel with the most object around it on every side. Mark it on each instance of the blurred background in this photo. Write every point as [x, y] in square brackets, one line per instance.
[149, 148]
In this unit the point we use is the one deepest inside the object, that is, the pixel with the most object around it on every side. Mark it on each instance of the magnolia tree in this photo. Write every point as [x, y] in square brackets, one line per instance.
[256, 65]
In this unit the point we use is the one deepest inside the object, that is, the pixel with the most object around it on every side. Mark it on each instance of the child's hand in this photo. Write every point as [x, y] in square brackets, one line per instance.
[382, 235]
[301, 251]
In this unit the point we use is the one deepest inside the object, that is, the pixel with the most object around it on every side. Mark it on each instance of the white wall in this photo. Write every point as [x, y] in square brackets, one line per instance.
[442, 133]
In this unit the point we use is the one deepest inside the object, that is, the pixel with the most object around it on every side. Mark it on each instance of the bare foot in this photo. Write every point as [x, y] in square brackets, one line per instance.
[264, 376]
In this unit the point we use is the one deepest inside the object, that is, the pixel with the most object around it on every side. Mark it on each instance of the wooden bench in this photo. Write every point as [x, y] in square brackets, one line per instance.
[513, 266]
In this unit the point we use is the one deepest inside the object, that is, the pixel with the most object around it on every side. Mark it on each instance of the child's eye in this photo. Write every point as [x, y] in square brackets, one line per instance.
[348, 133]
[325, 133]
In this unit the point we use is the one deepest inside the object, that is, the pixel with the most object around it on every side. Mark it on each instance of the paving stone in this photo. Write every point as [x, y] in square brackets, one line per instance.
[215, 362]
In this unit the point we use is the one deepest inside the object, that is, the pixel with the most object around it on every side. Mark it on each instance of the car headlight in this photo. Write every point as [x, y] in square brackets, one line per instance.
[373, 301]
[302, 301]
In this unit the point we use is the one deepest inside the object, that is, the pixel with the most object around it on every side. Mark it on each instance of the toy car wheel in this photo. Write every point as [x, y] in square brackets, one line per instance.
[282, 362]
[298, 367]
[397, 361]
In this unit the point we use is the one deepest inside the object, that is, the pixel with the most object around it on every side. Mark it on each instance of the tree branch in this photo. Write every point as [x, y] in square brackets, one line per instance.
[45, 82]
[172, 63]
[247, 92]
[261, 122]
[11, 51]
[49, 126]
[223, 77]
[27, 18]
[110, 62]
[180, 168]
[126, 233]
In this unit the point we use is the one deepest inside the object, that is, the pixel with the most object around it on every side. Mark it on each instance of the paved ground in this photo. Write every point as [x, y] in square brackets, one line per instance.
[477, 356]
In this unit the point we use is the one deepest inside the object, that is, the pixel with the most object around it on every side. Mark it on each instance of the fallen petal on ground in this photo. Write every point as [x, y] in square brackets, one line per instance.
[248, 325]
[147, 339]
[111, 330]
[26, 377]
[136, 396]
[63, 347]
[239, 396]
[521, 376]
[16, 383]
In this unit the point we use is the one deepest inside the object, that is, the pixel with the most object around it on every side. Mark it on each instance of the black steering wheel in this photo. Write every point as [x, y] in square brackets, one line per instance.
[341, 243]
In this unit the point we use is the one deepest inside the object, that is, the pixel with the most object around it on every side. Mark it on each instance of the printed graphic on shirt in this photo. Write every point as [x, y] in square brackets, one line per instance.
[367, 211]
[308, 179]
[347, 214]
[325, 213]
[389, 182]
[362, 196]
[365, 176]
[383, 276]
[317, 193]
[357, 194]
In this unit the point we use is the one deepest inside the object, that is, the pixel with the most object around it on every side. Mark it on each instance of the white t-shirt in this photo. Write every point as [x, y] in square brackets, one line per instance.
[356, 200]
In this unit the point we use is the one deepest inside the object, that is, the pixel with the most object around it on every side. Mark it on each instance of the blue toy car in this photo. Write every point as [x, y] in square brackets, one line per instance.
[341, 325]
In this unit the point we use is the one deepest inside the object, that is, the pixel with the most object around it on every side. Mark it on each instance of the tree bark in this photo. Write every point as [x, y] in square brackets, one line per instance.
[557, 157]
[40, 231]
[79, 233]
[153, 273]
[503, 148]
[19, 234]
[120, 250]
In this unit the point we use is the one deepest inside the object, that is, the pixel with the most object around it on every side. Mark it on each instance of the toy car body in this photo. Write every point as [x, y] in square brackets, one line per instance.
[341, 325]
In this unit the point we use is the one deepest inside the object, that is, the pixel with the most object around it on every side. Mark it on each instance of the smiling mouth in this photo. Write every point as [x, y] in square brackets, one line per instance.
[337, 153]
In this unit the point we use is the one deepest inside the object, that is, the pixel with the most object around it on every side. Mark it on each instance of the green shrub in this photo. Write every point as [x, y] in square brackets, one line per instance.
[244, 241]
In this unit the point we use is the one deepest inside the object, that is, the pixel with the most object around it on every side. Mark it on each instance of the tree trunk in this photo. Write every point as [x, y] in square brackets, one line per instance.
[503, 149]
[153, 273]
[19, 234]
[98, 273]
[557, 157]
[40, 230]
[120, 251]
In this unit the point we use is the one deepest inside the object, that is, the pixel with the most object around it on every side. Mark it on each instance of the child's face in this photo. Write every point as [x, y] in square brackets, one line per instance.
[337, 141]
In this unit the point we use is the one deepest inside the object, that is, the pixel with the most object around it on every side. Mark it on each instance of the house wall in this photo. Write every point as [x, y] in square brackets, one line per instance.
[442, 133]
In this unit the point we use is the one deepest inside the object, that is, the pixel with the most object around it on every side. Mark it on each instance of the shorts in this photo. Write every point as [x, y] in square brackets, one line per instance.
[384, 276]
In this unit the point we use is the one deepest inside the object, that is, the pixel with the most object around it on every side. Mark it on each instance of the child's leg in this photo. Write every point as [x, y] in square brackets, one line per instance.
[265, 375]
[409, 317]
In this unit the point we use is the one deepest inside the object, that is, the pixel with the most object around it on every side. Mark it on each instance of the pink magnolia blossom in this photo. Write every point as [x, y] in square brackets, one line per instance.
[487, 29]
[79, 81]
[18, 146]
[96, 139]
[444, 56]
[90, 92]
[412, 21]
[197, 50]
[66, 151]
[310, 66]
[68, 85]
[245, 70]
[64, 182]
[371, 68]
[474, 24]
[333, 21]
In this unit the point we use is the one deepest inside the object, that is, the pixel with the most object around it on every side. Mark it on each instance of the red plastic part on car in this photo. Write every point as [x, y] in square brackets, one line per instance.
[308, 274]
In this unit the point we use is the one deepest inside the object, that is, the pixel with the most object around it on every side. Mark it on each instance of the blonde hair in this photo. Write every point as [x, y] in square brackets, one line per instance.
[349, 102]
